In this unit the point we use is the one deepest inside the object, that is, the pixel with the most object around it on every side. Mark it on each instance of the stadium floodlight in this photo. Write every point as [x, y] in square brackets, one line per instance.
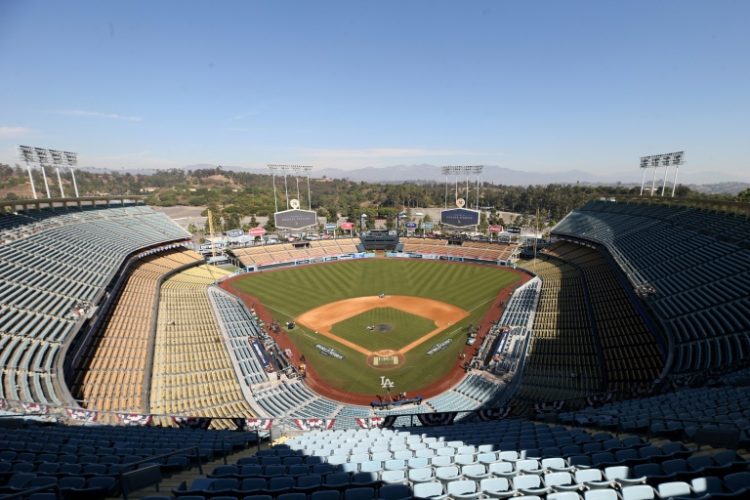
[457, 171]
[57, 156]
[42, 157]
[677, 160]
[665, 161]
[72, 160]
[57, 159]
[27, 155]
[477, 170]
[297, 171]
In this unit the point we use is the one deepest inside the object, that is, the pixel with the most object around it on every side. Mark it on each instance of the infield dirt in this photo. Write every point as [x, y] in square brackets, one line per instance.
[322, 318]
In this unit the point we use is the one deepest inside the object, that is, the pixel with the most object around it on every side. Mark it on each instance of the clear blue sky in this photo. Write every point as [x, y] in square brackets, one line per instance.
[549, 85]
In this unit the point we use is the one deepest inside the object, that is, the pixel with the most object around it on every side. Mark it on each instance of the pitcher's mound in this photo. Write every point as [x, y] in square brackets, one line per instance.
[382, 328]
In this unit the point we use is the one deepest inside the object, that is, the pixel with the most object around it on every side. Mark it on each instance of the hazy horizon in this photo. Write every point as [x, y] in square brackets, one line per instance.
[536, 87]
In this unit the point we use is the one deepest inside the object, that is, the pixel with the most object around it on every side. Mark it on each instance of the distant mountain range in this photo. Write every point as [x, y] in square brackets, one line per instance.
[701, 181]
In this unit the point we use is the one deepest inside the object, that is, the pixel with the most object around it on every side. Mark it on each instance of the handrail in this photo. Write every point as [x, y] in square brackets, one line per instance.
[165, 455]
[36, 489]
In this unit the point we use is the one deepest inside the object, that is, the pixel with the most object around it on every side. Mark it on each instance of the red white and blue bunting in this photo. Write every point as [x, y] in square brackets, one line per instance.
[599, 399]
[35, 408]
[439, 418]
[550, 406]
[81, 415]
[254, 424]
[487, 414]
[134, 419]
[375, 422]
[308, 424]
[369, 423]
[191, 422]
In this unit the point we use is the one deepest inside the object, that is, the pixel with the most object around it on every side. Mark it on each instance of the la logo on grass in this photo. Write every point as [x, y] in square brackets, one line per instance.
[386, 383]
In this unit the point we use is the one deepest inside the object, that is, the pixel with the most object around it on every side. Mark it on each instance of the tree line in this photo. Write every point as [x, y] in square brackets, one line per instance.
[233, 196]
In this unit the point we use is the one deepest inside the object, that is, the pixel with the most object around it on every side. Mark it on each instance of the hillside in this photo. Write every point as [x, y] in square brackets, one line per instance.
[234, 195]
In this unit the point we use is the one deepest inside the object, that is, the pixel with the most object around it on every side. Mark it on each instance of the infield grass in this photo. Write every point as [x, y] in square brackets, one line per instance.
[289, 292]
[404, 328]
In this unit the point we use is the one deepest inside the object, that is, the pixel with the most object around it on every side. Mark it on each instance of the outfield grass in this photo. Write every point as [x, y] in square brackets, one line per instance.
[405, 328]
[288, 293]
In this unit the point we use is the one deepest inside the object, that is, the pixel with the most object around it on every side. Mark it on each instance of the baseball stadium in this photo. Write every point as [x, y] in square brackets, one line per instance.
[374, 250]
[380, 364]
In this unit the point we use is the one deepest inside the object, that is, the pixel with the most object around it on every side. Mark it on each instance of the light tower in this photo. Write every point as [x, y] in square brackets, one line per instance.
[285, 170]
[665, 161]
[27, 155]
[42, 157]
[57, 160]
[72, 161]
[458, 171]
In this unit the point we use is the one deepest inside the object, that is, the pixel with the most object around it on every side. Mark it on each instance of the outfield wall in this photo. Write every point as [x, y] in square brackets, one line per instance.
[313, 260]
[450, 258]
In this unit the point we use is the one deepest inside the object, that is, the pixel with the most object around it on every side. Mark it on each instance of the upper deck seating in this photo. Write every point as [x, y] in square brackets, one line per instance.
[697, 263]
[192, 373]
[50, 280]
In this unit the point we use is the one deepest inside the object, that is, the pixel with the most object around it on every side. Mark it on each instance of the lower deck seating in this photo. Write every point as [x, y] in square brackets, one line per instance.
[469, 249]
[563, 361]
[243, 335]
[192, 373]
[287, 252]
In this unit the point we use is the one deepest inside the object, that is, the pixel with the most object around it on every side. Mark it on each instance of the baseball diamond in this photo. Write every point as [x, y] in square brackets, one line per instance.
[322, 319]
[341, 304]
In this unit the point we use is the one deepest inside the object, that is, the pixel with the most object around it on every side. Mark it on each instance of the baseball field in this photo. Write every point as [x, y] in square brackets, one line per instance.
[357, 321]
